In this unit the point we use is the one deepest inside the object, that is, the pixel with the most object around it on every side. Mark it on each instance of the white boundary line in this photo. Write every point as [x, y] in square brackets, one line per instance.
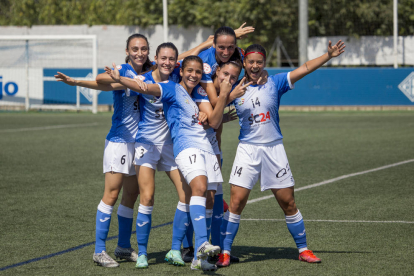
[346, 221]
[336, 179]
[47, 127]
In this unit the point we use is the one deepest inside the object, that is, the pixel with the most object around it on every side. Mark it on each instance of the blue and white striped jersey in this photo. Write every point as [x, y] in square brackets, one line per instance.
[153, 128]
[181, 113]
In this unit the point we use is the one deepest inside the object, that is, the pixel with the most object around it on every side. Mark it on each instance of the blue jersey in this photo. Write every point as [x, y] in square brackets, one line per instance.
[181, 113]
[210, 63]
[258, 110]
[153, 128]
[126, 111]
[199, 95]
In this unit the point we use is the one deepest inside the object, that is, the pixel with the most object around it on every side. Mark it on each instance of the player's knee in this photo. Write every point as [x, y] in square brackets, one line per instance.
[289, 206]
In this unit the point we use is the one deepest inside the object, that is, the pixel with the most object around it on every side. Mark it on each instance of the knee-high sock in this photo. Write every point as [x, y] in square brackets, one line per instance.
[188, 239]
[217, 219]
[181, 221]
[198, 218]
[103, 220]
[143, 228]
[125, 219]
[209, 215]
[297, 230]
[229, 230]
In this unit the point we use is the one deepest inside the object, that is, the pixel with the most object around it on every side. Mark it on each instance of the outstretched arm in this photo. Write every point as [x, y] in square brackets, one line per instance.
[312, 65]
[133, 84]
[242, 31]
[88, 84]
[195, 51]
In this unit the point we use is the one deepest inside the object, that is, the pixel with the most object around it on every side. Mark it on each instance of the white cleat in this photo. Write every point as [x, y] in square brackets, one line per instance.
[206, 249]
[203, 265]
[103, 259]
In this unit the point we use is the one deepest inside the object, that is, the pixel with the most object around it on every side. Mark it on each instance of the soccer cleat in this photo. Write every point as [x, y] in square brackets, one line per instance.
[103, 259]
[142, 262]
[174, 257]
[203, 265]
[215, 259]
[234, 259]
[225, 206]
[309, 257]
[206, 249]
[187, 254]
[127, 254]
[224, 260]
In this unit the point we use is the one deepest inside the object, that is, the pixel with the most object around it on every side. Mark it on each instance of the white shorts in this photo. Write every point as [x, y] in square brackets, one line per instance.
[194, 162]
[160, 158]
[268, 162]
[119, 158]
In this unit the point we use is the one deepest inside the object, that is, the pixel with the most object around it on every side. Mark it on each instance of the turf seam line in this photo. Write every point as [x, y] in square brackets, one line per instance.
[70, 250]
[328, 220]
[47, 127]
[336, 179]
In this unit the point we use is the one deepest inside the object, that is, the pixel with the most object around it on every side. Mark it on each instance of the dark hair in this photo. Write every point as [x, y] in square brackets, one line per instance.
[256, 48]
[224, 31]
[167, 45]
[236, 63]
[191, 58]
[148, 64]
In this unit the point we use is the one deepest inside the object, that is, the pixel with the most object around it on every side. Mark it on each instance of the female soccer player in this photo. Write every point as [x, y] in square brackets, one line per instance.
[119, 153]
[193, 152]
[261, 152]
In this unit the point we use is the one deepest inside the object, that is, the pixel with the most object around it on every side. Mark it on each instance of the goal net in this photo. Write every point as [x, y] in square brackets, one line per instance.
[28, 65]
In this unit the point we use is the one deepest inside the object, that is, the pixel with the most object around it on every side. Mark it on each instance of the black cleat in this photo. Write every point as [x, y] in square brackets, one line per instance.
[187, 254]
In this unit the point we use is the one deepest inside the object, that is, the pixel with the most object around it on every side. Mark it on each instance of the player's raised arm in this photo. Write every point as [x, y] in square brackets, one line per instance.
[88, 84]
[239, 90]
[242, 31]
[195, 51]
[133, 84]
[312, 65]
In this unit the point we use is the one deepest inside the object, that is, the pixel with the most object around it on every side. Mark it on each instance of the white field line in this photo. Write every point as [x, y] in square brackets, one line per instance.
[346, 221]
[336, 179]
[47, 127]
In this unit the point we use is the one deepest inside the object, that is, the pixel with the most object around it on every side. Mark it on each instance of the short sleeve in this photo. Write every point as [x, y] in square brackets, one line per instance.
[199, 94]
[282, 82]
[167, 91]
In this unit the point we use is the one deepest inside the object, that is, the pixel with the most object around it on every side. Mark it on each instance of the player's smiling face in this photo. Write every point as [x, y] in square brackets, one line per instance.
[229, 72]
[253, 65]
[225, 47]
[191, 75]
[138, 51]
[166, 60]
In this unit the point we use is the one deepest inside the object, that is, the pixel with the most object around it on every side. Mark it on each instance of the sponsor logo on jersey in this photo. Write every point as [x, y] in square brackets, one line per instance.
[201, 91]
[241, 101]
[153, 100]
[186, 101]
[259, 118]
[140, 77]
[206, 68]
[119, 67]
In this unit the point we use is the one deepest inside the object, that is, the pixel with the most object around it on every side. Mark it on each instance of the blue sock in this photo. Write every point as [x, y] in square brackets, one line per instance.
[143, 228]
[229, 228]
[181, 222]
[297, 229]
[217, 219]
[125, 219]
[188, 239]
[209, 216]
[103, 220]
[198, 218]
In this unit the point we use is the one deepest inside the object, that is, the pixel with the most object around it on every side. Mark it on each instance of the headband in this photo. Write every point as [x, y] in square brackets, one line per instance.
[245, 55]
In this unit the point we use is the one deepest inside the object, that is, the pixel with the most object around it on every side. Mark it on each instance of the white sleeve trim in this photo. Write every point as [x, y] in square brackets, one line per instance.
[201, 101]
[292, 86]
[206, 81]
[160, 97]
